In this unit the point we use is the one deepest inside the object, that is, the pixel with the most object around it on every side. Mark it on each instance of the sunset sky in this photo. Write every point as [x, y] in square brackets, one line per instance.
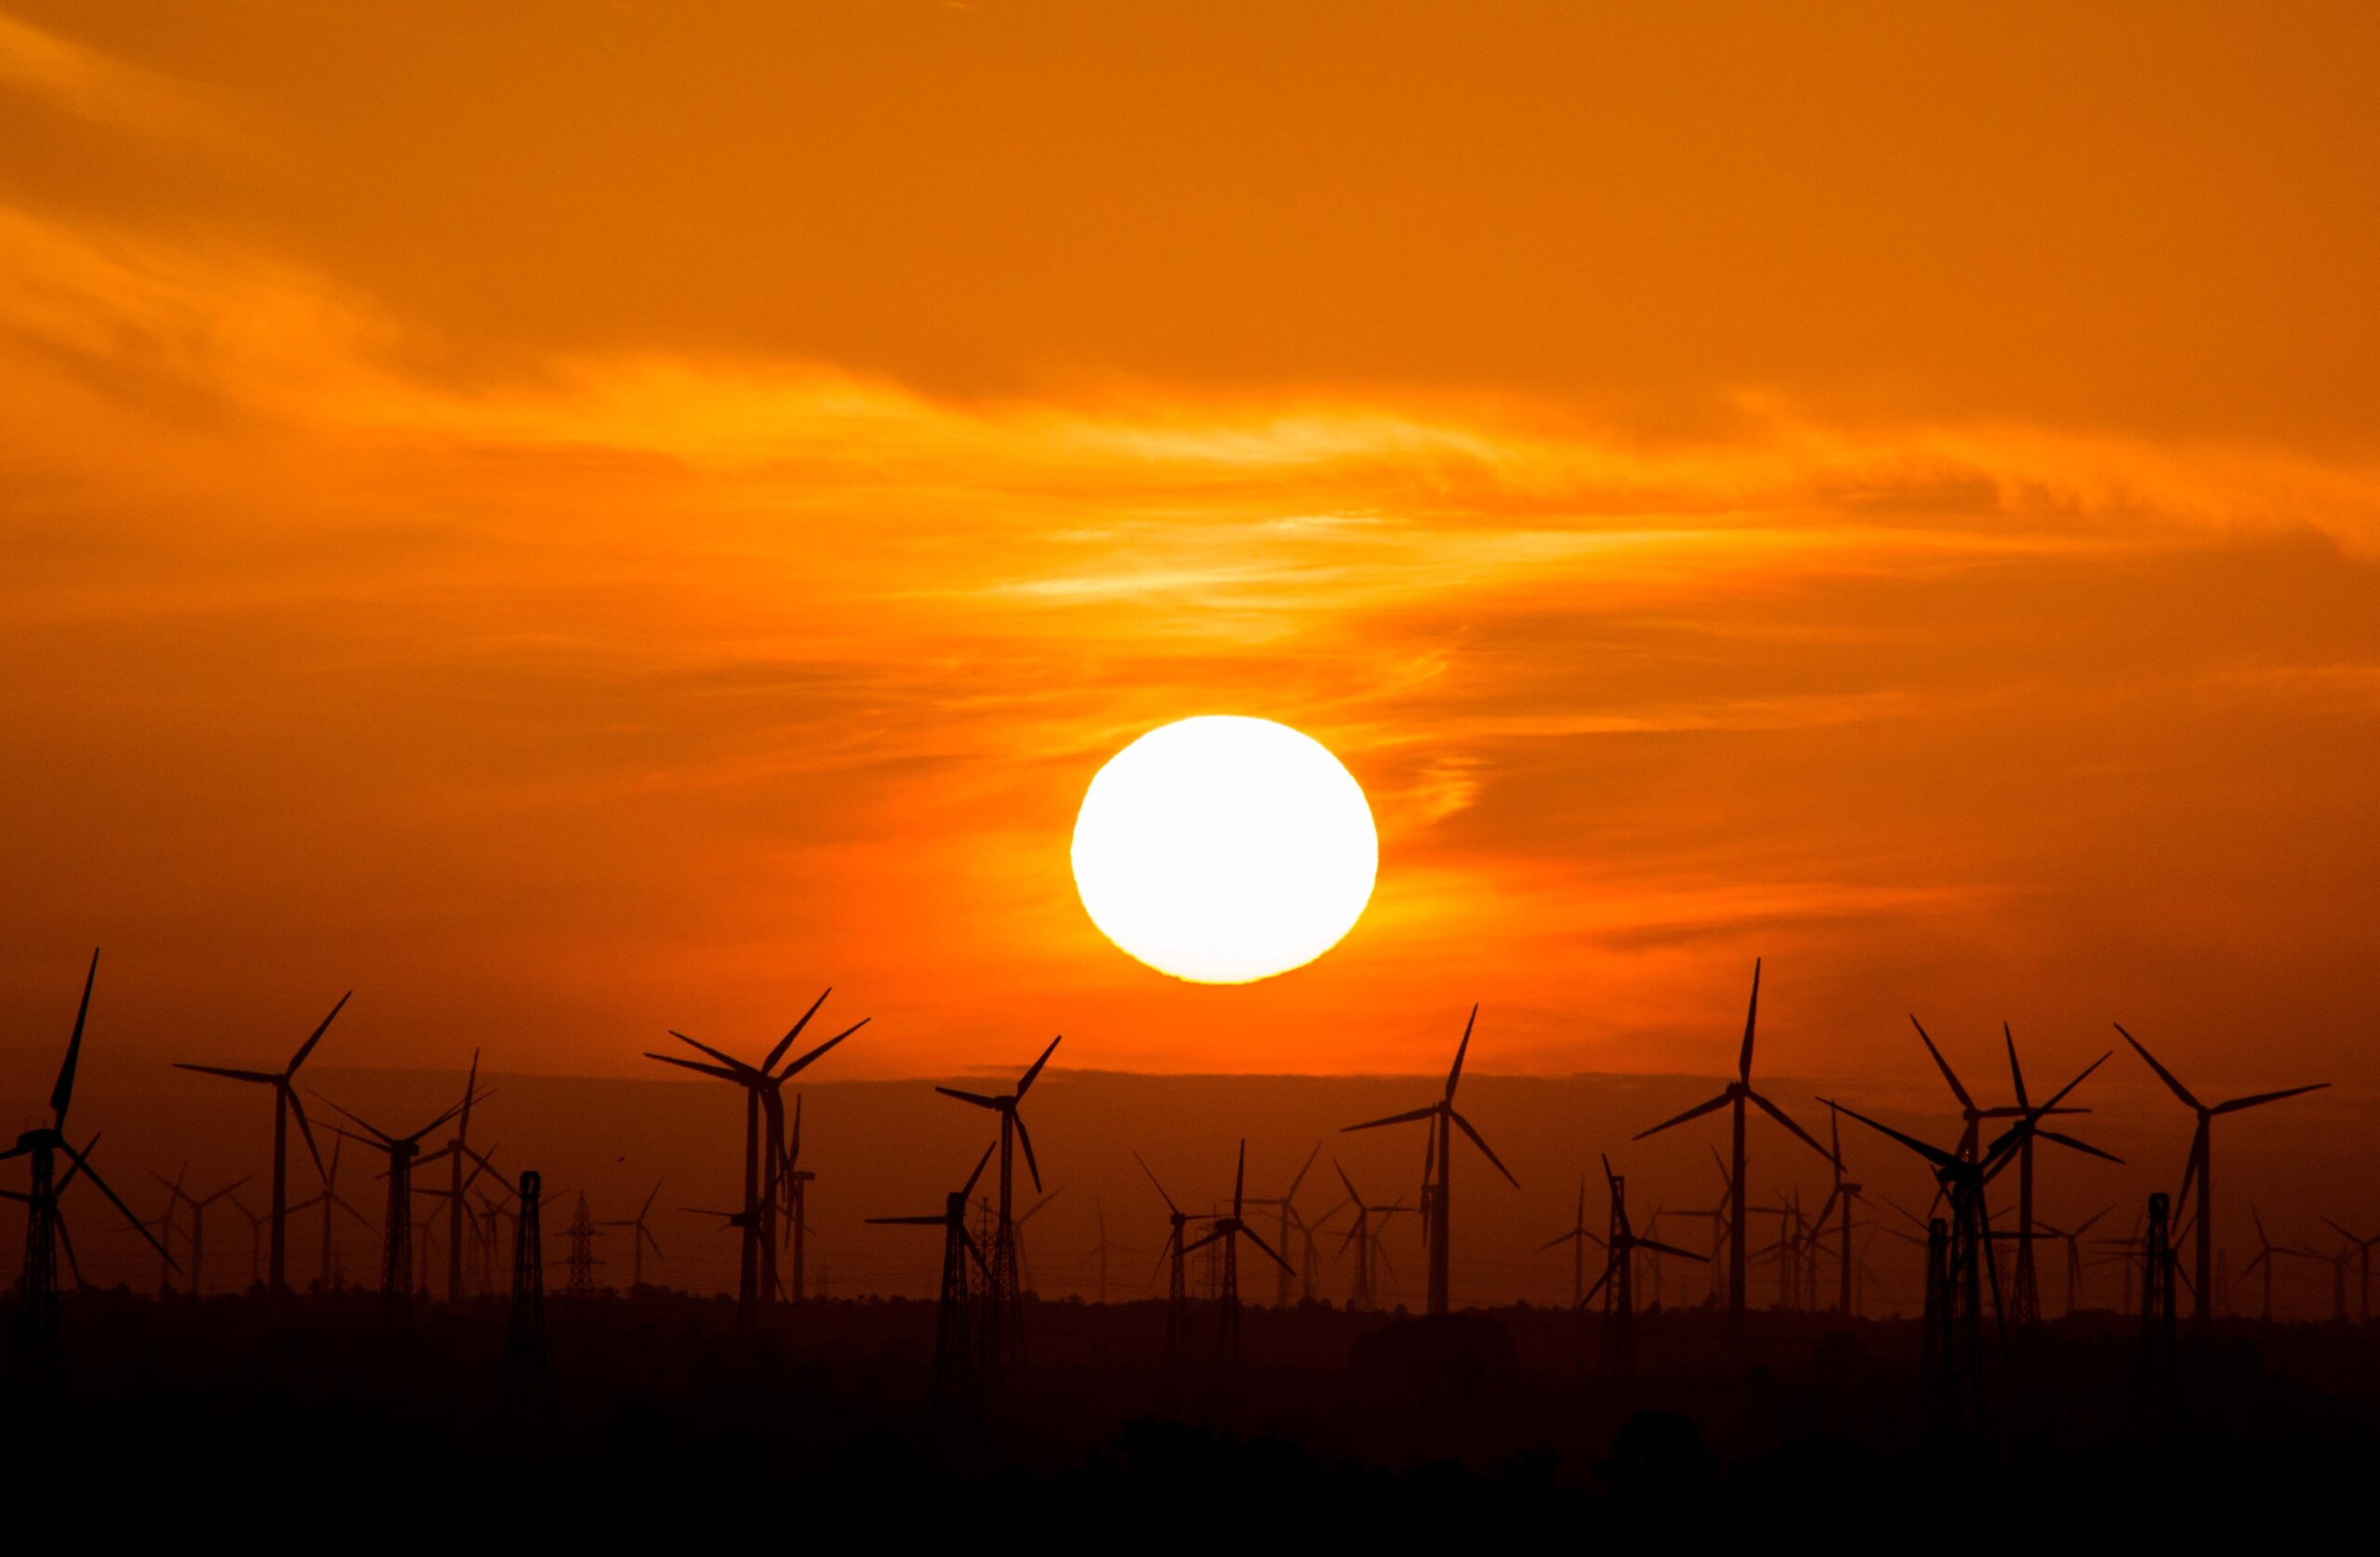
[574, 520]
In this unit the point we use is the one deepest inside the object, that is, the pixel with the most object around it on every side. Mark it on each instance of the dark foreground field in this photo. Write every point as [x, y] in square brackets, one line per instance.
[177, 1416]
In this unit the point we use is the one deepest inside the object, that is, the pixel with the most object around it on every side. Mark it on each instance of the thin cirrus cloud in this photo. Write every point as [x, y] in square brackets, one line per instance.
[580, 579]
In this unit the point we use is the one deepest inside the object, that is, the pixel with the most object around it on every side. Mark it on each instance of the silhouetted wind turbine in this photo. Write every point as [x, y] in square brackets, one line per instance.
[2363, 1257]
[1618, 1282]
[1228, 1231]
[284, 1105]
[457, 1153]
[2200, 1169]
[38, 1288]
[329, 1199]
[955, 1332]
[1177, 1293]
[763, 1094]
[1366, 1238]
[1577, 1237]
[1737, 1093]
[2265, 1250]
[2073, 1237]
[1845, 1193]
[1023, 1263]
[640, 1238]
[796, 1179]
[396, 1227]
[1285, 1205]
[197, 1204]
[2027, 1303]
[1969, 1244]
[1443, 1121]
[1005, 1302]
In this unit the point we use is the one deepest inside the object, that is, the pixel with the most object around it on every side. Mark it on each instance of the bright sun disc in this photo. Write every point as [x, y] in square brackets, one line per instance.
[1223, 850]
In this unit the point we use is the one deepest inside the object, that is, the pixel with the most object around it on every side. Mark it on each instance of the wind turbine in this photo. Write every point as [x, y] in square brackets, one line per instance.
[1957, 1284]
[2363, 1257]
[396, 1226]
[1737, 1093]
[2201, 1168]
[1177, 1293]
[796, 1179]
[197, 1204]
[1843, 1194]
[37, 1290]
[1006, 1302]
[2265, 1250]
[1618, 1282]
[2027, 1129]
[458, 1152]
[640, 1238]
[1443, 1121]
[1024, 1264]
[285, 1104]
[1228, 1231]
[1285, 1205]
[1578, 1238]
[1366, 1238]
[955, 1373]
[762, 1085]
[329, 1199]
[2073, 1238]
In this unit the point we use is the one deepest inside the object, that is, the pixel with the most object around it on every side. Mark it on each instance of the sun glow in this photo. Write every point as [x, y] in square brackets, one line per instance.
[1223, 850]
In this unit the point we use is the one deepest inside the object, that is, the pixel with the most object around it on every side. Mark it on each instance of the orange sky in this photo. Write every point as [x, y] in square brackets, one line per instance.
[576, 519]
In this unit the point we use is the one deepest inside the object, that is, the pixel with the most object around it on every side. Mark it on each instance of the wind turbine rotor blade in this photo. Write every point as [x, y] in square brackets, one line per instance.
[894, 1222]
[316, 1037]
[2072, 1085]
[1957, 1090]
[1672, 1248]
[1405, 1118]
[63, 1093]
[1779, 1114]
[1610, 1265]
[1292, 1193]
[1479, 1140]
[1939, 1158]
[1160, 1187]
[2236, 1104]
[787, 1042]
[743, 1071]
[383, 1138]
[1239, 1182]
[1026, 1084]
[305, 1126]
[115, 1200]
[976, 1098]
[1697, 1112]
[2015, 1071]
[812, 1058]
[261, 1077]
[979, 1162]
[1025, 1139]
[1751, 1023]
[1258, 1239]
[2071, 1144]
[1455, 1073]
[698, 1067]
[2162, 1073]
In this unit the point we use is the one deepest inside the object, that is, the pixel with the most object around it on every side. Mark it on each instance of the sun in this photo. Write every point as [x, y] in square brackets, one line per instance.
[1223, 849]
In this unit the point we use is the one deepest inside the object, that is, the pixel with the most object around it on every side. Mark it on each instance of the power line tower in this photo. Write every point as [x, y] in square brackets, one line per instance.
[581, 1282]
[528, 1374]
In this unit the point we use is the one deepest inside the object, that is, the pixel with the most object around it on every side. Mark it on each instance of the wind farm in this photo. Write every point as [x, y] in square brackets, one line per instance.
[1678, 706]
